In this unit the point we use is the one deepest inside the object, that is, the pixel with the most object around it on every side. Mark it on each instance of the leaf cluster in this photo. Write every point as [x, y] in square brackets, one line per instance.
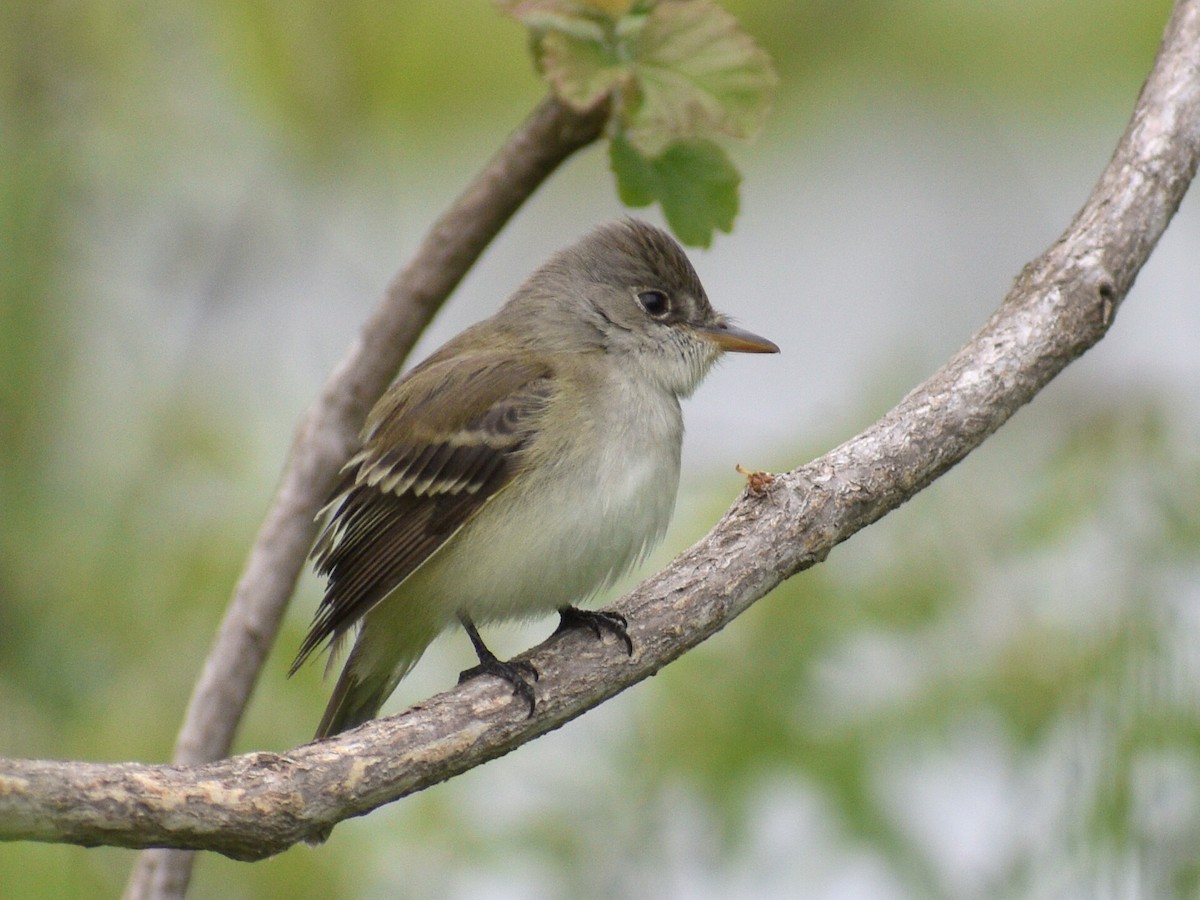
[680, 74]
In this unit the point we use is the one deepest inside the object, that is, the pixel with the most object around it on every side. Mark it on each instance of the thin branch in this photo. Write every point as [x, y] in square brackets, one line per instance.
[258, 804]
[326, 435]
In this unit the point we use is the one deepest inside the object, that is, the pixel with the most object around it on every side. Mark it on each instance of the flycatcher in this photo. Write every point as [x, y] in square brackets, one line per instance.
[522, 467]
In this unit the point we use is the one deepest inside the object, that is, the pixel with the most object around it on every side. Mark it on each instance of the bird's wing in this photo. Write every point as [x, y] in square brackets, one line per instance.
[441, 443]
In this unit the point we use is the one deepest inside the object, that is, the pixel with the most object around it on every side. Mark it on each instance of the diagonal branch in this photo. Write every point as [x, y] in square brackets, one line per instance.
[326, 435]
[255, 805]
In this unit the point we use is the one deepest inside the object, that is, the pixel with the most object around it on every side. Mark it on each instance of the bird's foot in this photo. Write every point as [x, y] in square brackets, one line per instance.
[597, 621]
[515, 672]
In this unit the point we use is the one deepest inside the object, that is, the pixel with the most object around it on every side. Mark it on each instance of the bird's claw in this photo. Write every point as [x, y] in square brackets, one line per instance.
[598, 622]
[514, 672]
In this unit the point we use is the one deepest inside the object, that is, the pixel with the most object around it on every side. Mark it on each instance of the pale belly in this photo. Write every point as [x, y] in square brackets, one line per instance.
[548, 541]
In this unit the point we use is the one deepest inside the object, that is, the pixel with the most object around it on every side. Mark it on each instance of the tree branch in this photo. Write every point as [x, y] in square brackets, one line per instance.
[327, 434]
[258, 804]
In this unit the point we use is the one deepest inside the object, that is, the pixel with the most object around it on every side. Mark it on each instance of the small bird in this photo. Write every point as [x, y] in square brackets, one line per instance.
[524, 466]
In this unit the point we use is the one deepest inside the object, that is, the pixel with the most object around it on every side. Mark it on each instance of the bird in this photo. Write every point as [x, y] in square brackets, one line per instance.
[518, 470]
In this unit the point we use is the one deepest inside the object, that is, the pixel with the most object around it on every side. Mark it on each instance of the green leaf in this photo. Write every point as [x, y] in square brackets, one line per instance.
[581, 71]
[637, 183]
[575, 45]
[676, 68]
[693, 180]
[697, 75]
[541, 16]
[679, 72]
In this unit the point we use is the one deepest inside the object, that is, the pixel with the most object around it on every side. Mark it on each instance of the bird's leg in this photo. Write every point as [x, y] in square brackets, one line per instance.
[512, 672]
[598, 621]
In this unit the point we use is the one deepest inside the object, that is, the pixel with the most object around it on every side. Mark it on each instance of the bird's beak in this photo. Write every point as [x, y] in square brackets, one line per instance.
[736, 340]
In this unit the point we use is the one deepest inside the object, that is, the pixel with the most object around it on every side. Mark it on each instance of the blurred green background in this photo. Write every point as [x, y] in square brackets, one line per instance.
[995, 692]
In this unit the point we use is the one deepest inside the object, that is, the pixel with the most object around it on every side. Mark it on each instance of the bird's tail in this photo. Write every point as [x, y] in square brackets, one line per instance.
[372, 671]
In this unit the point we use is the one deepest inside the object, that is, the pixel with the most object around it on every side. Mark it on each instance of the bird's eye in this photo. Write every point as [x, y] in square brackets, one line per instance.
[655, 303]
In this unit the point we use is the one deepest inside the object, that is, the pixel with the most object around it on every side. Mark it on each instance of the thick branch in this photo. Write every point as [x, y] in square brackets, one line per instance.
[255, 805]
[327, 433]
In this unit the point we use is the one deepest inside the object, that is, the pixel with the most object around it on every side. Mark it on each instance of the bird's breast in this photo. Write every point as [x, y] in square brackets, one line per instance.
[583, 510]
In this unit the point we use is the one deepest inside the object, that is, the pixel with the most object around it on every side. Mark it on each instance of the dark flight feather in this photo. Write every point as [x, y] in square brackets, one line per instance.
[443, 461]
